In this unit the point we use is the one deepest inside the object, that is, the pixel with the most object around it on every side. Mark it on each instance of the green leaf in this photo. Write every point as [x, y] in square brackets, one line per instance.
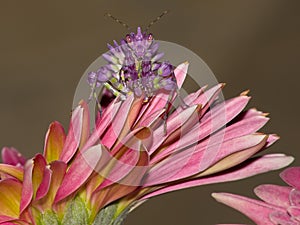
[76, 213]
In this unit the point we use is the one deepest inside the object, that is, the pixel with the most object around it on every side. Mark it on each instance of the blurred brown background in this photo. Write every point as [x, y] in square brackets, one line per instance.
[45, 46]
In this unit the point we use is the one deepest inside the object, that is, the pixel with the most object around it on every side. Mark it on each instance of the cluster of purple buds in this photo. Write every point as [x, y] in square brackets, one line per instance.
[134, 67]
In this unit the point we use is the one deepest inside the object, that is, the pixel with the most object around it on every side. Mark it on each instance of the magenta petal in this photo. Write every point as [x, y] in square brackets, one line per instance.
[12, 156]
[256, 210]
[249, 168]
[74, 135]
[282, 218]
[45, 184]
[291, 176]
[294, 212]
[33, 177]
[113, 132]
[274, 194]
[79, 171]
[103, 123]
[27, 187]
[295, 197]
[6, 218]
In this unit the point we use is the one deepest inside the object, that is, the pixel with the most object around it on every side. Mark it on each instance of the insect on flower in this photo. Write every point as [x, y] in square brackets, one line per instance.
[134, 68]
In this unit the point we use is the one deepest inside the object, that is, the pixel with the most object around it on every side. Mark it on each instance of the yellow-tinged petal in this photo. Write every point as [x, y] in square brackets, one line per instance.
[58, 169]
[54, 142]
[85, 134]
[10, 196]
[14, 171]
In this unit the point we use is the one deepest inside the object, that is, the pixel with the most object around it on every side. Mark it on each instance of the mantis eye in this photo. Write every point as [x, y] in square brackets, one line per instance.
[150, 37]
[128, 38]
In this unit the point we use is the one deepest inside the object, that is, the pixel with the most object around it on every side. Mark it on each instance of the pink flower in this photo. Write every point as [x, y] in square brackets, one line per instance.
[279, 205]
[97, 177]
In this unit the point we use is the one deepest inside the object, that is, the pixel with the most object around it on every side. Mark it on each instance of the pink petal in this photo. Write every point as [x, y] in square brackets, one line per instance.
[153, 120]
[295, 197]
[272, 139]
[208, 97]
[122, 122]
[125, 157]
[172, 124]
[282, 218]
[189, 162]
[79, 171]
[27, 188]
[54, 142]
[74, 135]
[191, 98]
[274, 194]
[180, 73]
[232, 153]
[248, 122]
[249, 168]
[256, 210]
[210, 123]
[58, 170]
[291, 176]
[294, 212]
[157, 102]
[124, 187]
[12, 156]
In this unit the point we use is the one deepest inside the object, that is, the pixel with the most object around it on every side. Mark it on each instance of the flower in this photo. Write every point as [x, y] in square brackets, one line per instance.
[279, 205]
[98, 176]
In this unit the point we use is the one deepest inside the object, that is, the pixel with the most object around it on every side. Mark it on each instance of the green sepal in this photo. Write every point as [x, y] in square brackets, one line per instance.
[76, 213]
[48, 218]
[108, 216]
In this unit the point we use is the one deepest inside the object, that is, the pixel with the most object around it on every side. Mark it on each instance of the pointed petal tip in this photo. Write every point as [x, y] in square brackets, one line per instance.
[223, 84]
[245, 93]
[82, 103]
[219, 196]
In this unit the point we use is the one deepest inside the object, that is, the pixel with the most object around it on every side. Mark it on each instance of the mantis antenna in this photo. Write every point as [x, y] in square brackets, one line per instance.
[156, 19]
[117, 20]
